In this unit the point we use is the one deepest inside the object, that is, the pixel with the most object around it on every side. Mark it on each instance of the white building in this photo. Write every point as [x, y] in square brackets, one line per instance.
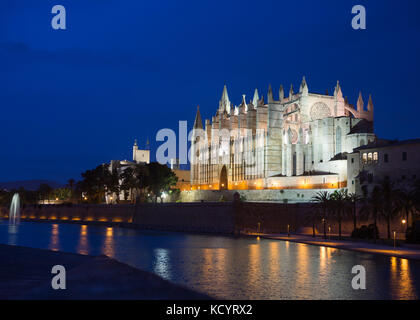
[140, 156]
[370, 164]
[299, 141]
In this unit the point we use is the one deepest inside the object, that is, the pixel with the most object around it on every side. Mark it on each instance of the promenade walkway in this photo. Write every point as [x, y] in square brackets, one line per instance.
[347, 244]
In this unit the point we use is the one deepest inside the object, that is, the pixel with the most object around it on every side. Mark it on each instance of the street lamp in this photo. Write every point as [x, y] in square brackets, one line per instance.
[395, 234]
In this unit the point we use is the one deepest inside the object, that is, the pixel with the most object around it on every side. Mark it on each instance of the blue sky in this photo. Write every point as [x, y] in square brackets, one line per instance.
[74, 98]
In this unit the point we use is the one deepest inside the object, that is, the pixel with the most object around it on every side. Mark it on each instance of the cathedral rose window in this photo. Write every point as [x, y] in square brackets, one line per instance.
[320, 110]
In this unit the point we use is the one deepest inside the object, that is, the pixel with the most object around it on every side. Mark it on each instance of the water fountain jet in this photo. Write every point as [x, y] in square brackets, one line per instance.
[14, 213]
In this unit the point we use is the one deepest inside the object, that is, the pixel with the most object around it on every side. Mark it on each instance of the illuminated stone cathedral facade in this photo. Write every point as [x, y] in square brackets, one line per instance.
[294, 142]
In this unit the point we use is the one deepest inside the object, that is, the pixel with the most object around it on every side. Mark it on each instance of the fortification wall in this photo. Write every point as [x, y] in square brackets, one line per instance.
[213, 217]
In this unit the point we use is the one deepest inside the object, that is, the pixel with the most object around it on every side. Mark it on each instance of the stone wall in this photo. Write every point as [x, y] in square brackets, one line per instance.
[212, 217]
[289, 195]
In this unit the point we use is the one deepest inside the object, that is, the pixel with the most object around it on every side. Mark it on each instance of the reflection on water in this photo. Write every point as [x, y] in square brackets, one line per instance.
[82, 247]
[232, 268]
[401, 279]
[108, 246]
[254, 269]
[54, 238]
[162, 263]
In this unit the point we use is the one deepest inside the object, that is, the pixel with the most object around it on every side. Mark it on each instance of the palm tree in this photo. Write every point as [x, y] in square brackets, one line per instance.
[352, 199]
[71, 184]
[338, 207]
[315, 214]
[372, 206]
[406, 204]
[389, 196]
[323, 200]
[416, 192]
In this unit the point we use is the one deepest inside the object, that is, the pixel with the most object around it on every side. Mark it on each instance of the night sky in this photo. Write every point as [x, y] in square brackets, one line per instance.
[72, 99]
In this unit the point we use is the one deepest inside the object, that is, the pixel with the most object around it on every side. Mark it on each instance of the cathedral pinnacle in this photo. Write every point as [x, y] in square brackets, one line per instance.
[281, 93]
[360, 103]
[198, 123]
[270, 94]
[303, 87]
[370, 103]
[291, 91]
[255, 99]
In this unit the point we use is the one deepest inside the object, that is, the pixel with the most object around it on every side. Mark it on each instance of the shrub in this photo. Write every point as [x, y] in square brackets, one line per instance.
[413, 233]
[365, 232]
[223, 199]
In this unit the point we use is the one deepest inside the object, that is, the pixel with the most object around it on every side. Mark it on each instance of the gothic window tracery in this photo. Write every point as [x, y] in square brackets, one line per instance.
[320, 110]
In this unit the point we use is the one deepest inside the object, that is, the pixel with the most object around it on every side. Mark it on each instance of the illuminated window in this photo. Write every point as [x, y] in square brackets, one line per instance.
[370, 158]
[364, 158]
[375, 157]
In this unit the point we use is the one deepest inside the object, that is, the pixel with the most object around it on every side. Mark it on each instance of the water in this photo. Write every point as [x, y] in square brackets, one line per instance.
[232, 268]
[14, 214]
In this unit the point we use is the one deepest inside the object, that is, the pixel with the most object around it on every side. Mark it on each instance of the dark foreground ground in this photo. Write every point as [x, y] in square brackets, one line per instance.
[25, 273]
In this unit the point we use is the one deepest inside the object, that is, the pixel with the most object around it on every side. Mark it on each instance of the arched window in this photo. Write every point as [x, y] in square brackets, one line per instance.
[338, 141]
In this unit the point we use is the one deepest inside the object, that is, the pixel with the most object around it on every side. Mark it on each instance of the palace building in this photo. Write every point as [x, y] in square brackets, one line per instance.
[295, 142]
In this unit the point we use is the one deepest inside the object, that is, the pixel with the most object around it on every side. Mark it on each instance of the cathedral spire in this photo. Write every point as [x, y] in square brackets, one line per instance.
[270, 94]
[225, 96]
[291, 92]
[245, 106]
[255, 99]
[360, 102]
[337, 92]
[198, 124]
[224, 102]
[370, 103]
[303, 87]
[135, 143]
[281, 93]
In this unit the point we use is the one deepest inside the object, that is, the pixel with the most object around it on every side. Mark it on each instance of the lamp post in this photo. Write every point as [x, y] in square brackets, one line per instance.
[395, 234]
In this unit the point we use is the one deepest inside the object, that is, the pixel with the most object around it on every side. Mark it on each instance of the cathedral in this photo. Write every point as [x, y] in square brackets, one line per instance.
[296, 142]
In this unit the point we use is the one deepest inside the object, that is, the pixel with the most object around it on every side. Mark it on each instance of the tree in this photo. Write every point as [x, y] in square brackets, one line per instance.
[416, 194]
[338, 207]
[160, 179]
[133, 179]
[351, 204]
[98, 182]
[406, 204]
[372, 206]
[128, 182]
[323, 200]
[71, 184]
[44, 192]
[389, 198]
[315, 214]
